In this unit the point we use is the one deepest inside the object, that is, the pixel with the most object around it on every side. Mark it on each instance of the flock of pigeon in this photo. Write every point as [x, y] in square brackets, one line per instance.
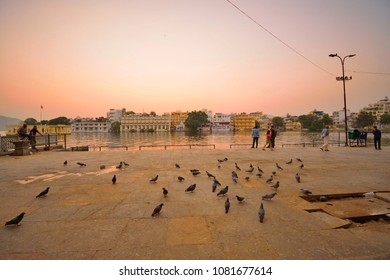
[195, 172]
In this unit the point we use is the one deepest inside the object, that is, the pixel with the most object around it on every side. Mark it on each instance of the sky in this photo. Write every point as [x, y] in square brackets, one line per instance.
[82, 58]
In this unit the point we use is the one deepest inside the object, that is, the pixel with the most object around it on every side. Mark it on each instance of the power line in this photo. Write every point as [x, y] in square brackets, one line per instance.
[367, 72]
[277, 38]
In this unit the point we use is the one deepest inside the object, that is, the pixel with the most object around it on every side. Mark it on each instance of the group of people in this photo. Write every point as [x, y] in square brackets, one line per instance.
[271, 135]
[269, 138]
[23, 133]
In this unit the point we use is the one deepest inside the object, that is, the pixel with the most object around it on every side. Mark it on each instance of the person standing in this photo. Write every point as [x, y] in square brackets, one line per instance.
[255, 136]
[272, 137]
[267, 140]
[377, 138]
[33, 133]
[325, 138]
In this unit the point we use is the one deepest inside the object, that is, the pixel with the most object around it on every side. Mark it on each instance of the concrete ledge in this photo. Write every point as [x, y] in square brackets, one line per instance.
[22, 148]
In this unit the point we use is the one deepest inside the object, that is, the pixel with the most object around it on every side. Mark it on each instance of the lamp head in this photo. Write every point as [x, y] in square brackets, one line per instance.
[333, 55]
[351, 55]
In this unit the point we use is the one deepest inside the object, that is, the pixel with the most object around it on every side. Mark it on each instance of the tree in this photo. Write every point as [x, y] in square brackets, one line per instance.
[277, 122]
[385, 118]
[115, 127]
[314, 123]
[365, 119]
[101, 119]
[31, 121]
[196, 119]
[59, 120]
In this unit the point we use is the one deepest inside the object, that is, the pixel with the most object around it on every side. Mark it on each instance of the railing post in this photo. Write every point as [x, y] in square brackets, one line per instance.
[65, 141]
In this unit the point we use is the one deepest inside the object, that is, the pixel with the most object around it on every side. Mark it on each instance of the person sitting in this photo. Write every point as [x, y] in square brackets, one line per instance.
[22, 132]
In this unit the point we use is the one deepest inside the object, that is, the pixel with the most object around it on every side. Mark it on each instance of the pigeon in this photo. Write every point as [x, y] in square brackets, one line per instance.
[217, 182]
[259, 175]
[191, 188]
[154, 179]
[261, 213]
[306, 191]
[157, 209]
[214, 187]
[260, 170]
[301, 166]
[298, 178]
[237, 167]
[119, 166]
[219, 166]
[220, 160]
[81, 164]
[165, 192]
[177, 166]
[269, 180]
[268, 196]
[65, 162]
[126, 164]
[278, 166]
[298, 159]
[43, 193]
[289, 162]
[276, 186]
[240, 198]
[113, 179]
[209, 174]
[227, 205]
[247, 178]
[225, 159]
[234, 173]
[223, 191]
[274, 173]
[180, 178]
[234, 177]
[250, 170]
[16, 220]
[323, 198]
[195, 172]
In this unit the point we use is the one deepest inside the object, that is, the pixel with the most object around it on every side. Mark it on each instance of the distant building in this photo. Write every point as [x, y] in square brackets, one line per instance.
[244, 121]
[145, 122]
[90, 126]
[338, 118]
[291, 125]
[317, 113]
[178, 119]
[221, 122]
[379, 108]
[115, 115]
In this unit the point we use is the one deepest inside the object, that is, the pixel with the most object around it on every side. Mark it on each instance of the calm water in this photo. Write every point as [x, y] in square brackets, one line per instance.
[221, 140]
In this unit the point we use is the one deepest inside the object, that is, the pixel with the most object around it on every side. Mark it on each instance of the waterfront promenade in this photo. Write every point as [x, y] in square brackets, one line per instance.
[86, 216]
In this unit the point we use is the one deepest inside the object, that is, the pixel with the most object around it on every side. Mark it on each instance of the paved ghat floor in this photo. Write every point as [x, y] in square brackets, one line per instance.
[85, 216]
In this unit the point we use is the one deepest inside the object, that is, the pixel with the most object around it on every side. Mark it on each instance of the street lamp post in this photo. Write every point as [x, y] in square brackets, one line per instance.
[344, 78]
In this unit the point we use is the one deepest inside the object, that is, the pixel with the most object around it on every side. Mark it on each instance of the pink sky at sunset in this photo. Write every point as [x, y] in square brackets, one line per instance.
[81, 58]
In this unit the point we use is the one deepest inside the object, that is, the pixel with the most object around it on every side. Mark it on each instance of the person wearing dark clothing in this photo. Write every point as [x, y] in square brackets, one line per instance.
[273, 136]
[33, 133]
[377, 138]
[255, 135]
[22, 132]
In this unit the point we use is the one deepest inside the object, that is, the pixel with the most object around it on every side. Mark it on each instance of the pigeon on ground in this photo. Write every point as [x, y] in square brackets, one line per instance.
[223, 191]
[157, 209]
[165, 192]
[220, 160]
[217, 182]
[323, 198]
[240, 198]
[234, 177]
[177, 166]
[195, 172]
[81, 164]
[261, 213]
[180, 178]
[260, 170]
[247, 178]
[227, 205]
[16, 220]
[269, 180]
[113, 179]
[209, 174]
[237, 167]
[259, 175]
[298, 159]
[191, 188]
[278, 166]
[250, 170]
[268, 196]
[306, 191]
[276, 186]
[126, 164]
[154, 179]
[274, 173]
[298, 178]
[65, 162]
[214, 187]
[225, 159]
[119, 166]
[43, 193]
[289, 162]
[301, 166]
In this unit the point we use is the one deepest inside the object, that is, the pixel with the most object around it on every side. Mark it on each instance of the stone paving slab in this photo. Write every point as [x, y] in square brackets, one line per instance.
[85, 216]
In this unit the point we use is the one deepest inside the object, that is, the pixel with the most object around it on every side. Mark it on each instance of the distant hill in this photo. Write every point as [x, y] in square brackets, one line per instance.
[7, 121]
